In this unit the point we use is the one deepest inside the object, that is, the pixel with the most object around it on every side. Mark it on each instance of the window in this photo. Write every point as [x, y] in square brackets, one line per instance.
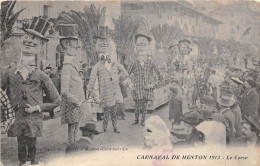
[46, 10]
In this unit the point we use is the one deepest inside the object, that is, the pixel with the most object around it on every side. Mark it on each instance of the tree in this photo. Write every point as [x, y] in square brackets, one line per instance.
[88, 20]
[125, 30]
[205, 46]
[8, 18]
[166, 33]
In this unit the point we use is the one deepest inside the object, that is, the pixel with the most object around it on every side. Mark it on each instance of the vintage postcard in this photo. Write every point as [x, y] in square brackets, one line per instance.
[129, 82]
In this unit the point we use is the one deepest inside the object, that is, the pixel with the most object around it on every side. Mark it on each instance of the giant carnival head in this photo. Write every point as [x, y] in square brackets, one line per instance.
[34, 40]
[103, 42]
[142, 37]
[113, 52]
[174, 47]
[184, 47]
[69, 39]
[102, 39]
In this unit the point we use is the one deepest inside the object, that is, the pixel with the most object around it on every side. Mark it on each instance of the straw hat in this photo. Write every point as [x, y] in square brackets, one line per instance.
[236, 80]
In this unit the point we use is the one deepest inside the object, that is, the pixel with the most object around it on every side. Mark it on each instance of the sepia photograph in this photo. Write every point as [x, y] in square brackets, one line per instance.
[129, 82]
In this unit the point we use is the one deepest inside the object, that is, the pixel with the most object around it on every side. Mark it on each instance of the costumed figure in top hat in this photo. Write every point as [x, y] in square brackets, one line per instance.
[119, 75]
[107, 74]
[72, 92]
[25, 85]
[142, 69]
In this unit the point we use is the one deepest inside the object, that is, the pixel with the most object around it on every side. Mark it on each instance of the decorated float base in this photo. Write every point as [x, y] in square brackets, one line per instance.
[161, 97]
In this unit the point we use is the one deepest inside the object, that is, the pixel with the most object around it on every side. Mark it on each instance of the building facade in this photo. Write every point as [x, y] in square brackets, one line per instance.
[241, 20]
[181, 13]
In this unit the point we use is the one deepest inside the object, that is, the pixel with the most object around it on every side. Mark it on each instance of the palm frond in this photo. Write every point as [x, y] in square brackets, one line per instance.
[10, 10]
[87, 21]
[8, 19]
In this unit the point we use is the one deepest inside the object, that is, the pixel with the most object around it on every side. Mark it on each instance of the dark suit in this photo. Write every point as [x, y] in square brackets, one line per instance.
[238, 118]
[175, 108]
[249, 103]
[82, 145]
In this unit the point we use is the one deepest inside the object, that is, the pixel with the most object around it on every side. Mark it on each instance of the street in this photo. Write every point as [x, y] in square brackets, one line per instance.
[54, 140]
[55, 136]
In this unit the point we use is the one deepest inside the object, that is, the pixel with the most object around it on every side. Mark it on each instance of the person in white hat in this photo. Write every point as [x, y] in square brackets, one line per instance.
[235, 108]
[224, 103]
[214, 133]
[156, 133]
